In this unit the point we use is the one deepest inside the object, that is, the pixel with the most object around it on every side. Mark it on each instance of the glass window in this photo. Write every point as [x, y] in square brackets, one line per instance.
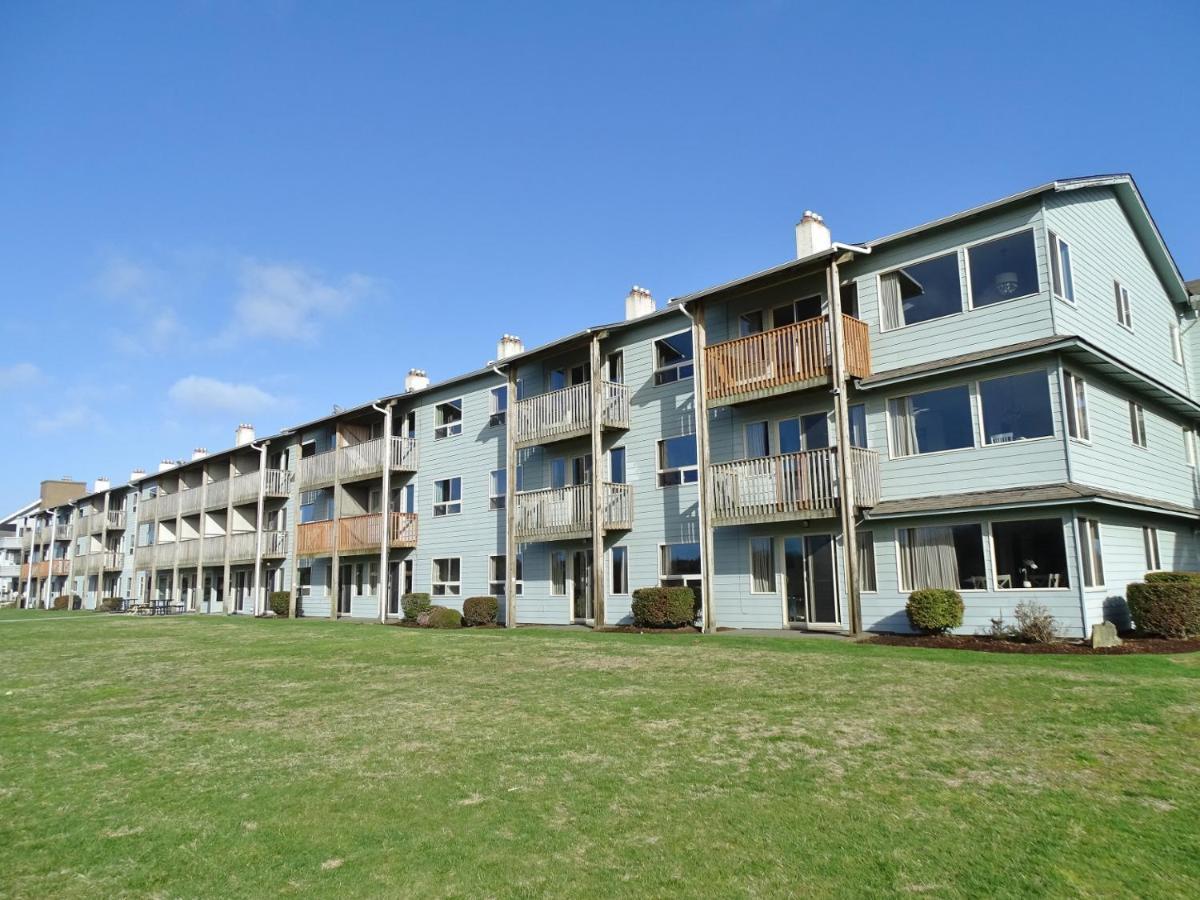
[1150, 541]
[620, 570]
[796, 311]
[1189, 446]
[1124, 313]
[1030, 554]
[497, 575]
[673, 358]
[499, 406]
[1003, 269]
[1137, 424]
[1077, 414]
[849, 298]
[1088, 531]
[758, 440]
[447, 497]
[679, 565]
[866, 561]
[1016, 408]
[447, 419]
[1062, 281]
[677, 461]
[858, 425]
[446, 581]
[558, 573]
[809, 432]
[941, 556]
[616, 367]
[497, 497]
[931, 421]
[762, 565]
[920, 292]
[750, 323]
[616, 465]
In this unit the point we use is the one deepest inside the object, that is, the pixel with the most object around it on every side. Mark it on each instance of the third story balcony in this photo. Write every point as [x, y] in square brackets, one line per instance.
[793, 358]
[561, 514]
[567, 413]
[359, 461]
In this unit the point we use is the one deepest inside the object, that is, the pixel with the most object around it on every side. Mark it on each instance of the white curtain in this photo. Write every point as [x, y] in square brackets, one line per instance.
[927, 558]
[903, 427]
[890, 309]
[866, 561]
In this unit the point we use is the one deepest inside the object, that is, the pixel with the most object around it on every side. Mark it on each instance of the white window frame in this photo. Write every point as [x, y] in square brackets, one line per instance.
[686, 579]
[774, 575]
[995, 575]
[1065, 288]
[874, 565]
[1189, 446]
[497, 417]
[1151, 547]
[762, 321]
[958, 252]
[676, 367]
[448, 429]
[501, 584]
[1137, 425]
[612, 561]
[1176, 343]
[497, 501]
[566, 563]
[445, 505]
[1124, 308]
[977, 396]
[1085, 530]
[1074, 389]
[971, 394]
[985, 540]
[966, 267]
[449, 588]
[660, 458]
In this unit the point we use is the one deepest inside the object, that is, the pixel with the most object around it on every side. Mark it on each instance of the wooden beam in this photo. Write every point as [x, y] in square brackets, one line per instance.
[700, 407]
[510, 503]
[598, 480]
[386, 512]
[837, 352]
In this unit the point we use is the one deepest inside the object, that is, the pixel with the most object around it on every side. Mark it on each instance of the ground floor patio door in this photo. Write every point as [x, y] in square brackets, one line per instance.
[581, 585]
[239, 591]
[810, 581]
[345, 586]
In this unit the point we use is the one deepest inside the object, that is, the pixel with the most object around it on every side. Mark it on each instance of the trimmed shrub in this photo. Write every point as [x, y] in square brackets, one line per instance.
[442, 617]
[1167, 608]
[481, 610]
[414, 604]
[1034, 625]
[934, 610]
[1173, 578]
[61, 602]
[110, 604]
[280, 602]
[664, 607]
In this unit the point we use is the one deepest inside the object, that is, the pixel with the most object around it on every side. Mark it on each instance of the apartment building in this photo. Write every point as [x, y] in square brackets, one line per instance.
[999, 402]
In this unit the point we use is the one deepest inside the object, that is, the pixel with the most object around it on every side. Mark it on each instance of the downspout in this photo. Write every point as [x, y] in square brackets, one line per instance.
[386, 504]
[699, 404]
[29, 571]
[259, 599]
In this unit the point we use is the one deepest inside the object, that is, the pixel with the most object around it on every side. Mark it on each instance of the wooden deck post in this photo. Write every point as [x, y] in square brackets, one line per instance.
[846, 506]
[199, 585]
[598, 481]
[293, 459]
[335, 557]
[385, 490]
[510, 503]
[700, 408]
[226, 585]
[260, 600]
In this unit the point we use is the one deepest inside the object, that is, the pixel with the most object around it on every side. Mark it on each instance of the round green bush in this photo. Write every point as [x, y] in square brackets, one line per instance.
[1167, 608]
[481, 610]
[441, 617]
[664, 607]
[110, 603]
[62, 602]
[414, 604]
[1173, 578]
[281, 602]
[934, 610]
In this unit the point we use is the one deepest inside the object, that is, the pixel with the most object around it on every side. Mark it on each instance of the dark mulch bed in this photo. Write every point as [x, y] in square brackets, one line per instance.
[409, 623]
[637, 629]
[1133, 643]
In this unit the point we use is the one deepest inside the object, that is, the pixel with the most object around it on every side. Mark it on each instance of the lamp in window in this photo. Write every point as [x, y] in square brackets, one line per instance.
[1027, 566]
[1007, 284]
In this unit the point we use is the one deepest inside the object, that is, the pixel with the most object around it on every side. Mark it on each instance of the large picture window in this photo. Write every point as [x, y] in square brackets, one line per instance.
[920, 292]
[1016, 408]
[1030, 553]
[931, 421]
[1003, 269]
[941, 556]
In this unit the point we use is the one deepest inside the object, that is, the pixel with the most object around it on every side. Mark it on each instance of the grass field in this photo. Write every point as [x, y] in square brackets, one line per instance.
[220, 757]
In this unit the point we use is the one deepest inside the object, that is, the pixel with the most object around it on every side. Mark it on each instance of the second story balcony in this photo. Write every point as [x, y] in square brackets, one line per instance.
[244, 488]
[560, 514]
[116, 519]
[112, 560]
[567, 413]
[790, 486]
[359, 461]
[355, 534]
[792, 358]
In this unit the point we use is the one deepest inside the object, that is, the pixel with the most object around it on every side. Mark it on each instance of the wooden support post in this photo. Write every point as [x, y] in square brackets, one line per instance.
[510, 503]
[386, 507]
[201, 535]
[708, 616]
[598, 481]
[846, 505]
[335, 558]
[293, 461]
[226, 585]
[260, 605]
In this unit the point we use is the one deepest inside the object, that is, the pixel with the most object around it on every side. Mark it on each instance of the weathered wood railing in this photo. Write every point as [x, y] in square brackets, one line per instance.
[274, 543]
[164, 555]
[315, 538]
[167, 506]
[244, 488]
[216, 494]
[143, 556]
[277, 483]
[213, 550]
[112, 559]
[116, 518]
[361, 460]
[243, 545]
[189, 500]
[567, 412]
[790, 485]
[566, 512]
[188, 552]
[146, 508]
[796, 354]
[320, 467]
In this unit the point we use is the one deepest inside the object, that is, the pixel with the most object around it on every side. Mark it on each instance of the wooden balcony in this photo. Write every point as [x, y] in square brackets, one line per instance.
[216, 494]
[790, 487]
[355, 534]
[212, 551]
[112, 560]
[567, 413]
[116, 519]
[243, 545]
[143, 557]
[146, 509]
[315, 538]
[188, 553]
[792, 358]
[189, 501]
[274, 544]
[359, 461]
[164, 555]
[561, 514]
[166, 506]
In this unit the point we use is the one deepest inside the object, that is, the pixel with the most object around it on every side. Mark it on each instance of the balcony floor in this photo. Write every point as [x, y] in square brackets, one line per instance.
[752, 394]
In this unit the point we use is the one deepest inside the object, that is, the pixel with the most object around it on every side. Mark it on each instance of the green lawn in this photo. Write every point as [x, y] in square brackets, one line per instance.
[221, 757]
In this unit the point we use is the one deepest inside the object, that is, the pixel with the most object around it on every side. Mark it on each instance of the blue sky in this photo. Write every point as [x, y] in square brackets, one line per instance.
[219, 212]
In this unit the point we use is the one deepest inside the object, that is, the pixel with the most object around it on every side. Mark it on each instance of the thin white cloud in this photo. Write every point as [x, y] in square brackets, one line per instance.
[287, 302]
[197, 393]
[76, 419]
[19, 375]
[121, 278]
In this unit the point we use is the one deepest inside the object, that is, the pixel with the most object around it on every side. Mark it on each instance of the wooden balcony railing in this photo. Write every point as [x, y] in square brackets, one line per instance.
[216, 494]
[366, 532]
[188, 552]
[143, 557]
[320, 468]
[146, 509]
[164, 555]
[189, 501]
[789, 486]
[274, 544]
[566, 413]
[789, 358]
[315, 538]
[116, 519]
[244, 488]
[212, 551]
[112, 560]
[565, 513]
[361, 460]
[243, 545]
[278, 483]
[167, 506]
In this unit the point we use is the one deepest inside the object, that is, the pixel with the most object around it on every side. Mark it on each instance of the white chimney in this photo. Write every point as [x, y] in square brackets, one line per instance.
[639, 303]
[509, 345]
[244, 435]
[166, 464]
[415, 380]
[137, 474]
[101, 484]
[812, 235]
[200, 453]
